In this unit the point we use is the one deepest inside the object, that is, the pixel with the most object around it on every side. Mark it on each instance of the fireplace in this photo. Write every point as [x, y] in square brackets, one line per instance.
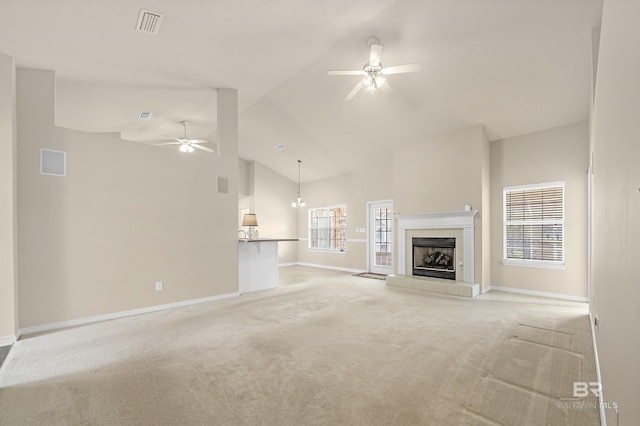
[434, 257]
[458, 225]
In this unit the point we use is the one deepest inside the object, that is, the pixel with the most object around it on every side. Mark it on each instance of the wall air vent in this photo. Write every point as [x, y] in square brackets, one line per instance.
[149, 22]
[53, 162]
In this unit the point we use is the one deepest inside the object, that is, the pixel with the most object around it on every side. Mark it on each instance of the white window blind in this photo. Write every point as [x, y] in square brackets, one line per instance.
[328, 228]
[534, 223]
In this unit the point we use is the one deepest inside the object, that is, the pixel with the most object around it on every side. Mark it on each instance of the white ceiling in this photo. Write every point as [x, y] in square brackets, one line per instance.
[515, 66]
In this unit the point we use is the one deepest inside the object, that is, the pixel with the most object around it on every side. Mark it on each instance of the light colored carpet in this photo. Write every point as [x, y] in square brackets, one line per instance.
[339, 351]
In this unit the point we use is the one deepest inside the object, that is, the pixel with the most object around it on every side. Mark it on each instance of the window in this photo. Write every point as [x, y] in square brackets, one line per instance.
[328, 228]
[534, 225]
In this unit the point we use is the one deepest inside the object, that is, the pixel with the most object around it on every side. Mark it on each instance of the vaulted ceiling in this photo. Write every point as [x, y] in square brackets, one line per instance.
[514, 66]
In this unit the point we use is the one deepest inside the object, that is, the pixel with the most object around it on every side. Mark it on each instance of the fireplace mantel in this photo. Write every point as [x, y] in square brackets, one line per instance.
[461, 220]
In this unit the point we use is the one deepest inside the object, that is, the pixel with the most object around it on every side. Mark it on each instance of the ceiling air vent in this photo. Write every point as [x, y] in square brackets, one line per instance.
[149, 22]
[144, 115]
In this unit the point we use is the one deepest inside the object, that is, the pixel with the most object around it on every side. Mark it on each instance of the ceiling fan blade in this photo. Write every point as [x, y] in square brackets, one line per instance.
[354, 91]
[346, 72]
[204, 148]
[374, 57]
[399, 69]
[167, 143]
[199, 141]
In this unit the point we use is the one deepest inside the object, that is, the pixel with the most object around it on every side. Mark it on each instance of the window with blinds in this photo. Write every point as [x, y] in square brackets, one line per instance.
[328, 228]
[534, 224]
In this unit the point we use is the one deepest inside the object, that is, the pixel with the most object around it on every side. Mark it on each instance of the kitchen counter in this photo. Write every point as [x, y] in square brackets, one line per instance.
[260, 240]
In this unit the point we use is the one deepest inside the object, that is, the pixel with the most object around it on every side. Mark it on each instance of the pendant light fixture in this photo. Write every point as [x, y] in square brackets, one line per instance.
[298, 202]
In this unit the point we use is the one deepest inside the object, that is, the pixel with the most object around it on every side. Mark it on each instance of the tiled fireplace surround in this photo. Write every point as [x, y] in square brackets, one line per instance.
[459, 225]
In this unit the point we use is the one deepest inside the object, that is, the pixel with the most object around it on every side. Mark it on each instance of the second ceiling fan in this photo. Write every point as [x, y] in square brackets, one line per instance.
[373, 73]
[190, 145]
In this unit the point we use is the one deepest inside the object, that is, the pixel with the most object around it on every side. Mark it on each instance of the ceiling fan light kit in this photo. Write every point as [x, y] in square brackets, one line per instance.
[185, 147]
[188, 145]
[373, 72]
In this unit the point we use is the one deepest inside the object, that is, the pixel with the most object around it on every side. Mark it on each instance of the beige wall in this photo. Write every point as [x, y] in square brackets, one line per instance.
[616, 208]
[126, 215]
[243, 178]
[442, 174]
[524, 160]
[273, 194]
[8, 202]
[353, 190]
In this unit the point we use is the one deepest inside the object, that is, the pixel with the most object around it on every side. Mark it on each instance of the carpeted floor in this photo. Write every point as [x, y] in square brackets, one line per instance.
[338, 351]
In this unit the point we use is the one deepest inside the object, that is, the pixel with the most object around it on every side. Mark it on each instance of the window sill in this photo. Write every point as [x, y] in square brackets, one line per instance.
[319, 250]
[534, 264]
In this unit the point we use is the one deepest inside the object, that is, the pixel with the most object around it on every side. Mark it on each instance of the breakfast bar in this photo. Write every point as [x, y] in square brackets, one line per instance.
[258, 263]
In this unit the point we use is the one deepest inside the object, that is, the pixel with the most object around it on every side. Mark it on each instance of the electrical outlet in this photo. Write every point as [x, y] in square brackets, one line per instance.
[158, 285]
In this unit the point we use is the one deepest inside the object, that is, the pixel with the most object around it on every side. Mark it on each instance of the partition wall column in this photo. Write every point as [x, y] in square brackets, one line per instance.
[8, 203]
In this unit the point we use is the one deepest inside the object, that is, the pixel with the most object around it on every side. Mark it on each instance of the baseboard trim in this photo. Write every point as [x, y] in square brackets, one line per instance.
[485, 290]
[280, 265]
[541, 294]
[7, 340]
[603, 418]
[337, 268]
[122, 314]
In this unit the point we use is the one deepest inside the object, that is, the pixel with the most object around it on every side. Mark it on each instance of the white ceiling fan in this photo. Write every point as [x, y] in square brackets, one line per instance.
[373, 73]
[189, 145]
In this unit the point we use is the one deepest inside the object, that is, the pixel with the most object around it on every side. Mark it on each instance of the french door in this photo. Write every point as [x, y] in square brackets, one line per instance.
[380, 237]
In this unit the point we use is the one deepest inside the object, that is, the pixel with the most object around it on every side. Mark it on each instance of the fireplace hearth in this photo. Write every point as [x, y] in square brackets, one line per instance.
[434, 257]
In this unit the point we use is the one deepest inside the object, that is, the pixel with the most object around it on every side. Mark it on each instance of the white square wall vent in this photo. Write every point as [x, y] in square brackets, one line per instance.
[53, 162]
[149, 22]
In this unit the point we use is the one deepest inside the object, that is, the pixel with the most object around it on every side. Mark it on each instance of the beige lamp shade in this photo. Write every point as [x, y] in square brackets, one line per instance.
[249, 219]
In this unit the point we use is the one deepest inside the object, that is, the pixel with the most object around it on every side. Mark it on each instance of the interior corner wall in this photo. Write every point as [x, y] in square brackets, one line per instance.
[354, 190]
[8, 203]
[126, 215]
[559, 154]
[245, 190]
[486, 213]
[272, 196]
[441, 174]
[616, 210]
[243, 178]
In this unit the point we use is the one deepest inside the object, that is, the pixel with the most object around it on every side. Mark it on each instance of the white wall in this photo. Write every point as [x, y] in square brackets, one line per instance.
[8, 202]
[616, 208]
[527, 159]
[126, 215]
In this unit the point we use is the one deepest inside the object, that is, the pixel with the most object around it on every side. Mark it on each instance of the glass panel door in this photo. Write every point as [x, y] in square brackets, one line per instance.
[380, 236]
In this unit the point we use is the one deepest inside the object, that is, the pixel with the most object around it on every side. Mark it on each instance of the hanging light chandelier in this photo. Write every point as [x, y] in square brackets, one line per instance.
[298, 202]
